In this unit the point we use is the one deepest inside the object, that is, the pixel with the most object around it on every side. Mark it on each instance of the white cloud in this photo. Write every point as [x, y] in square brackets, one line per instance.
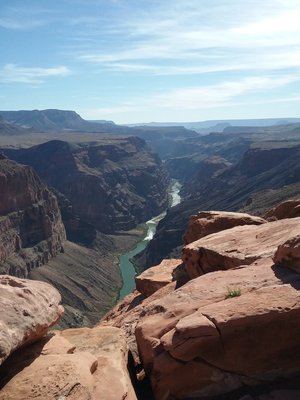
[200, 37]
[224, 94]
[34, 75]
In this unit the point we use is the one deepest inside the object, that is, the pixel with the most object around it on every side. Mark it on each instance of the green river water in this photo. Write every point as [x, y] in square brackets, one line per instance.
[127, 268]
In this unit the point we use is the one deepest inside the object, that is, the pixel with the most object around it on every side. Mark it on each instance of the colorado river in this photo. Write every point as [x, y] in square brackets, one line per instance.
[126, 266]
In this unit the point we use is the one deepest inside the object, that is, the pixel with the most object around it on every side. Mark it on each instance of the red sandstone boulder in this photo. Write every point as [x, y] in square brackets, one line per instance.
[85, 364]
[208, 222]
[201, 341]
[28, 309]
[237, 246]
[154, 278]
[288, 254]
[287, 209]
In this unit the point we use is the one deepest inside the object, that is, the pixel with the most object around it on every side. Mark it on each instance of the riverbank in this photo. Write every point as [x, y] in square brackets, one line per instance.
[127, 268]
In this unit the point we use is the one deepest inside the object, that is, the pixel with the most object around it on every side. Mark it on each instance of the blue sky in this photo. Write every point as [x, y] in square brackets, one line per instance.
[141, 61]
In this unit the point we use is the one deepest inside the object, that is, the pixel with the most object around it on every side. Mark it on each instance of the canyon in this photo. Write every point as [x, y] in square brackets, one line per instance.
[97, 195]
[214, 310]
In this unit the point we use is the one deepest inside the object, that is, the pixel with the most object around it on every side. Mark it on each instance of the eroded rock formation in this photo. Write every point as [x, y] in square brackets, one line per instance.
[156, 277]
[112, 183]
[207, 222]
[232, 327]
[84, 363]
[31, 229]
[28, 309]
[241, 245]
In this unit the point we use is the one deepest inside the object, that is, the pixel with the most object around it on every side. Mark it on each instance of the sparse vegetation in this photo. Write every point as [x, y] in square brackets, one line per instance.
[236, 292]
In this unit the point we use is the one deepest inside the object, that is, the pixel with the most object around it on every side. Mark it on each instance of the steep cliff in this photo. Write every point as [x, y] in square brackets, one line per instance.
[112, 183]
[31, 229]
[268, 168]
[212, 336]
[33, 244]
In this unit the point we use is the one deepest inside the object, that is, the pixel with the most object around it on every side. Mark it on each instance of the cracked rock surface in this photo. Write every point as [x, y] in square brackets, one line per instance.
[235, 323]
[83, 363]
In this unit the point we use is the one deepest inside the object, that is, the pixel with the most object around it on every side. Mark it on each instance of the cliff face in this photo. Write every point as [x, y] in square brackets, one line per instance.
[112, 184]
[31, 229]
[272, 169]
[211, 335]
[207, 336]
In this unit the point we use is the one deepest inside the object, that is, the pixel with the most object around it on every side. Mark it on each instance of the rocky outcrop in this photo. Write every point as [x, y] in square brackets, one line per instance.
[238, 246]
[288, 254]
[261, 169]
[287, 209]
[207, 222]
[112, 184]
[28, 309]
[214, 334]
[31, 229]
[156, 277]
[128, 312]
[199, 341]
[73, 364]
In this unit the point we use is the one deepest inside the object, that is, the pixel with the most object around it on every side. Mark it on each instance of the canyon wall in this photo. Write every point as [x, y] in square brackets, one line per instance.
[31, 228]
[113, 183]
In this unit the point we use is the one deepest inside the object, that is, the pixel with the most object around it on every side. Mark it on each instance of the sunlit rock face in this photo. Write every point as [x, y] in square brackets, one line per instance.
[31, 228]
[28, 309]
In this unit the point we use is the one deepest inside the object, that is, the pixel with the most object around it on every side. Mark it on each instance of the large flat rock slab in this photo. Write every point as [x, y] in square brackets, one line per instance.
[205, 223]
[237, 246]
[28, 309]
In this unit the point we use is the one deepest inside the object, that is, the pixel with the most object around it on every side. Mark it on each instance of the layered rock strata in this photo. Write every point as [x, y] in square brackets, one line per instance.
[112, 183]
[215, 334]
[266, 168]
[31, 229]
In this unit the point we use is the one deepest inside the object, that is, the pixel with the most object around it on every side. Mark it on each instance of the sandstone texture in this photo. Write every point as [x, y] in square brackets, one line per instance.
[83, 363]
[287, 209]
[197, 342]
[31, 229]
[127, 313]
[156, 277]
[113, 183]
[288, 254]
[237, 246]
[28, 309]
[208, 222]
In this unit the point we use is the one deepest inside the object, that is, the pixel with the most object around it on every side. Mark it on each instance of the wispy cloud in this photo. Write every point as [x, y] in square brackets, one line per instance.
[19, 24]
[205, 37]
[35, 75]
[224, 94]
[23, 18]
